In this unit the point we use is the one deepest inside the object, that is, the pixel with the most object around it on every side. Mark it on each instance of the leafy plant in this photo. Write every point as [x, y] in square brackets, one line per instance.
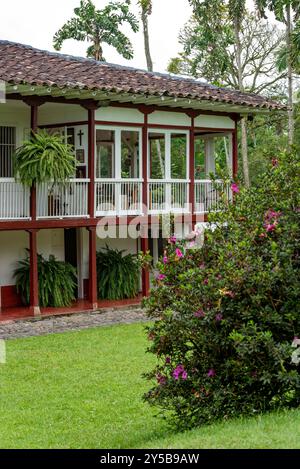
[57, 282]
[118, 275]
[226, 314]
[44, 158]
[99, 27]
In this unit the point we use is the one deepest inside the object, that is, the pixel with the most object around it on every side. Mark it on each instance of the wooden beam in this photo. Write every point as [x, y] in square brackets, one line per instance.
[34, 280]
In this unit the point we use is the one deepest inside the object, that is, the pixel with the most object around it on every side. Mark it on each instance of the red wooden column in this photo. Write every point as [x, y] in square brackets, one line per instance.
[234, 152]
[93, 290]
[146, 110]
[34, 279]
[192, 165]
[33, 256]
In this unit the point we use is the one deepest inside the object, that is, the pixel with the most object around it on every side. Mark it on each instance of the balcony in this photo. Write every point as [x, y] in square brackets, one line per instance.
[112, 198]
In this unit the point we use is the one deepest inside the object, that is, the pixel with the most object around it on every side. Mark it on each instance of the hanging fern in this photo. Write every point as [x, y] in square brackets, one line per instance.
[44, 158]
[57, 282]
[118, 275]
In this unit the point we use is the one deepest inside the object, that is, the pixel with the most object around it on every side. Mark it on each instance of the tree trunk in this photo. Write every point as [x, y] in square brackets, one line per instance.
[290, 75]
[98, 51]
[241, 88]
[146, 40]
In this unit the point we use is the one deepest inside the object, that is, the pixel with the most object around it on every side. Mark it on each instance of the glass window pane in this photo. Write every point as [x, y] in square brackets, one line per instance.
[178, 156]
[157, 147]
[199, 159]
[221, 153]
[105, 158]
[130, 154]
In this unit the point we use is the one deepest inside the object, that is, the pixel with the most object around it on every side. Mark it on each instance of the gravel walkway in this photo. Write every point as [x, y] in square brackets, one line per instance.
[55, 324]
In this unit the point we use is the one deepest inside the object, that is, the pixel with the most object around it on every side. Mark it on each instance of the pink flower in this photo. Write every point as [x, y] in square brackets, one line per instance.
[262, 235]
[179, 253]
[168, 360]
[160, 277]
[173, 239]
[199, 314]
[165, 260]
[274, 162]
[219, 317]
[205, 281]
[184, 375]
[271, 227]
[178, 372]
[235, 188]
[211, 373]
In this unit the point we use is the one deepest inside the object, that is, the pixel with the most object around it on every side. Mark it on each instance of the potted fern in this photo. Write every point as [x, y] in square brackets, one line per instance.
[44, 158]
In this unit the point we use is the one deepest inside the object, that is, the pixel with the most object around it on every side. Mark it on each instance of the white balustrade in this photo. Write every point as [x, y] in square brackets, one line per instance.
[123, 197]
[168, 196]
[14, 200]
[67, 200]
[208, 195]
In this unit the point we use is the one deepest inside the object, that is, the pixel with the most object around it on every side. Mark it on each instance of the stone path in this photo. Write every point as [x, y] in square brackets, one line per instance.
[55, 324]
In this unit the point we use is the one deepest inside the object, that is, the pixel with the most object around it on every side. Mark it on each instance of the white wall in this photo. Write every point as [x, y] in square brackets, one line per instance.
[114, 114]
[16, 114]
[218, 122]
[54, 113]
[169, 118]
[13, 246]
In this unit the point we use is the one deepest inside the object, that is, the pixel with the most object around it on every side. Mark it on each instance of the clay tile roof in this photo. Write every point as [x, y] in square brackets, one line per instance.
[21, 64]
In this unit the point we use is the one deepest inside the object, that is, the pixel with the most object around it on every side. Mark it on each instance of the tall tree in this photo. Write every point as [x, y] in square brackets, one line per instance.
[228, 46]
[146, 11]
[287, 12]
[98, 27]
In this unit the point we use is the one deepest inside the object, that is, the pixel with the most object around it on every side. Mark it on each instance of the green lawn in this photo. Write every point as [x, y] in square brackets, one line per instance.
[83, 390]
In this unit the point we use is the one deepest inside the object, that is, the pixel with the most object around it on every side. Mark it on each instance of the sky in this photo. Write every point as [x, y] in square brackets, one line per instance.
[34, 22]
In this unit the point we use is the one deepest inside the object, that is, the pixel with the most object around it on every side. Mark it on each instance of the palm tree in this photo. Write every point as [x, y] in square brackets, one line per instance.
[98, 27]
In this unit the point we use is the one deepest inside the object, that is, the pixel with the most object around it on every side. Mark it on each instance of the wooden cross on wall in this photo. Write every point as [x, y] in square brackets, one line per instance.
[80, 135]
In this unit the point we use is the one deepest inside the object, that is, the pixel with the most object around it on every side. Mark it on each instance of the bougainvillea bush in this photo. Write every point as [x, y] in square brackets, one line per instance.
[227, 316]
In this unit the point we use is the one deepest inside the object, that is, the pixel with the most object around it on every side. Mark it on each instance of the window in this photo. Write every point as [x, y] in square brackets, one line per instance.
[157, 146]
[178, 156]
[7, 149]
[130, 154]
[105, 162]
[199, 158]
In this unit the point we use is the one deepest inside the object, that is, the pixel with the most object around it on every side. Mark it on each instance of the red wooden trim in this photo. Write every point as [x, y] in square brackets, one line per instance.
[145, 272]
[93, 296]
[91, 162]
[212, 129]
[192, 166]
[235, 152]
[34, 280]
[61, 124]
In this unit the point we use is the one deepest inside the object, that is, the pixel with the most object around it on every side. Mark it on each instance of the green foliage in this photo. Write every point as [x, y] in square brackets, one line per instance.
[57, 282]
[44, 158]
[98, 27]
[226, 314]
[118, 275]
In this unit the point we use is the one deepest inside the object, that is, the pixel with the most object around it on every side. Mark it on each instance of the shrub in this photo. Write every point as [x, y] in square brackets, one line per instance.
[57, 282]
[118, 275]
[226, 314]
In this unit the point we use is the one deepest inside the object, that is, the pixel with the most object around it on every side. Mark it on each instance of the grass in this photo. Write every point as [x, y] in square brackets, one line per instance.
[83, 390]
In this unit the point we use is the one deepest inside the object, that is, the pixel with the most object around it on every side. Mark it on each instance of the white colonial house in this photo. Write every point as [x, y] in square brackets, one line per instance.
[145, 144]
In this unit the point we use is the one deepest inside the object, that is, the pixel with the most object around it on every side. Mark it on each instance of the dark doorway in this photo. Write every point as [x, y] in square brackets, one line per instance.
[71, 249]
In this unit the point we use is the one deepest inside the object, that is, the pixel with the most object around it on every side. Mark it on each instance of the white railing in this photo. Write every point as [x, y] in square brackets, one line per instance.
[123, 197]
[68, 200]
[207, 195]
[14, 200]
[168, 196]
